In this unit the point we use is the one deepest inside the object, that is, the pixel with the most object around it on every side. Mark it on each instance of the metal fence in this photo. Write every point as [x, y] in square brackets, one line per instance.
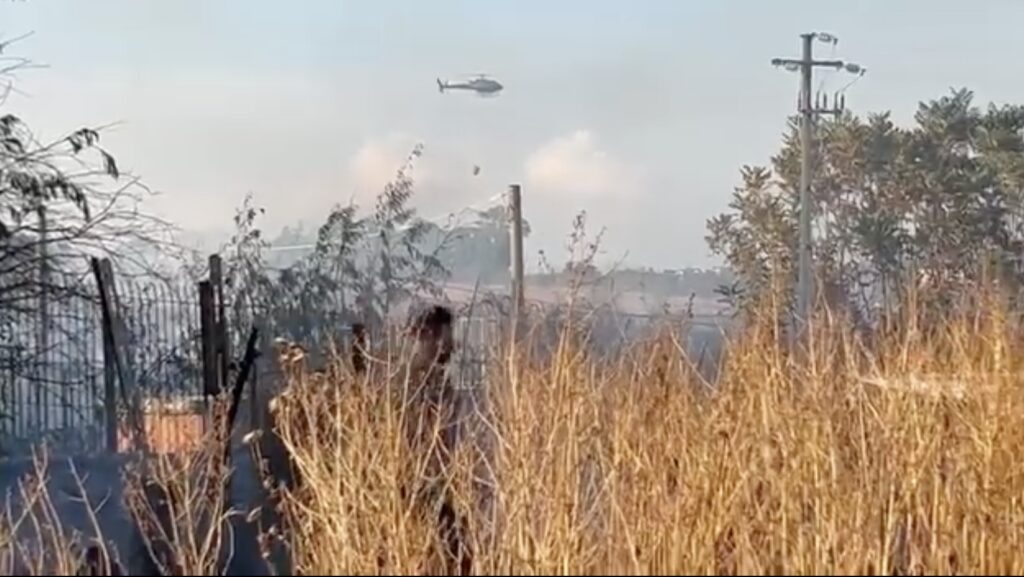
[53, 370]
[52, 365]
[47, 380]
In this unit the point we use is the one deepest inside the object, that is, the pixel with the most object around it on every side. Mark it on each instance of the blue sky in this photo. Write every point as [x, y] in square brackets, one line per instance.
[640, 112]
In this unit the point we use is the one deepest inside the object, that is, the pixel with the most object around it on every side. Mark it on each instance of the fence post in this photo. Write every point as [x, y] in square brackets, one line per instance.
[208, 337]
[221, 341]
[207, 332]
[109, 382]
[114, 328]
[43, 343]
[238, 387]
[516, 247]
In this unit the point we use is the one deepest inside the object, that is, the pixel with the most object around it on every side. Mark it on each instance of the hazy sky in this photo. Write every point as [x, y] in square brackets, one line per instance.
[640, 112]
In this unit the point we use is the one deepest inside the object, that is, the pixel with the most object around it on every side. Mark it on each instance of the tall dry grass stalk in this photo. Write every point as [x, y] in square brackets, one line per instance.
[34, 539]
[180, 508]
[892, 452]
[863, 459]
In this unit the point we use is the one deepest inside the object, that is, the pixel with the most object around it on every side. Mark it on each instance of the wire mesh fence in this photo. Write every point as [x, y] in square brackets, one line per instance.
[52, 365]
[50, 381]
[55, 377]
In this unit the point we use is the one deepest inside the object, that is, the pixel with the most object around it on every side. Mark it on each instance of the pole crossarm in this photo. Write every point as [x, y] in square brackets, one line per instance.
[837, 64]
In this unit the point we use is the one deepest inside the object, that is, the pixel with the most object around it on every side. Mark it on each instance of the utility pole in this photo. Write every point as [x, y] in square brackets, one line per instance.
[516, 249]
[808, 112]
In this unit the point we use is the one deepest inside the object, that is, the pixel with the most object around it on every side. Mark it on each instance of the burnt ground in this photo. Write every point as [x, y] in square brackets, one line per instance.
[102, 480]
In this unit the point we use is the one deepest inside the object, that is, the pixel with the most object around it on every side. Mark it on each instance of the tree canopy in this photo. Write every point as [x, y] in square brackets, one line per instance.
[942, 199]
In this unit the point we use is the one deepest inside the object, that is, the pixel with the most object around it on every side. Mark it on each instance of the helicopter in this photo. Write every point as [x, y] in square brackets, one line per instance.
[481, 84]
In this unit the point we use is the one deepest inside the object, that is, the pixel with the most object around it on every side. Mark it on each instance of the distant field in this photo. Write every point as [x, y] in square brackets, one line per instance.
[627, 302]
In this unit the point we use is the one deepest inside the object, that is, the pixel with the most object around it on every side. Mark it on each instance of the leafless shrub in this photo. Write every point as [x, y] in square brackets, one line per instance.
[181, 507]
[35, 540]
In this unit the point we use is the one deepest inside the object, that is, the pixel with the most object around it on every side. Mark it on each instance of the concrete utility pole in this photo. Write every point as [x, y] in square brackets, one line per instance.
[808, 112]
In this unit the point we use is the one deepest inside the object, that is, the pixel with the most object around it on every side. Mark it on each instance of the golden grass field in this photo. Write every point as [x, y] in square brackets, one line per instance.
[904, 460]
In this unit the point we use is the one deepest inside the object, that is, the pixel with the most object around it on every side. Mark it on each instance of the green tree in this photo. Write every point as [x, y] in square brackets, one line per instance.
[756, 237]
[941, 197]
[479, 250]
[361, 268]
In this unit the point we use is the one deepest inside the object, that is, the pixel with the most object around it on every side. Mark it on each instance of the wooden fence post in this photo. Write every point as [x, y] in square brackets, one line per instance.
[222, 344]
[207, 331]
[109, 384]
[115, 333]
[516, 247]
[248, 361]
[518, 288]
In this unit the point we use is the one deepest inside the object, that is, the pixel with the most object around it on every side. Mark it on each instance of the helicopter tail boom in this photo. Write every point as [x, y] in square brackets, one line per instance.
[440, 86]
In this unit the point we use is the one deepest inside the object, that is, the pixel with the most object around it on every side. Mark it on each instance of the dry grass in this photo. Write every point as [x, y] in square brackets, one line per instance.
[630, 466]
[33, 540]
[584, 466]
[180, 507]
[177, 504]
